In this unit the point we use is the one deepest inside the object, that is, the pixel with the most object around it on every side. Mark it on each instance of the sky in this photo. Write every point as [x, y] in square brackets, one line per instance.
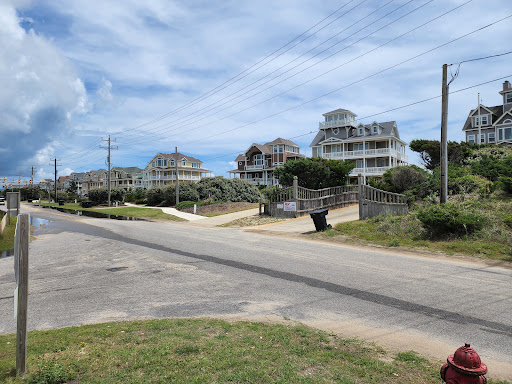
[211, 78]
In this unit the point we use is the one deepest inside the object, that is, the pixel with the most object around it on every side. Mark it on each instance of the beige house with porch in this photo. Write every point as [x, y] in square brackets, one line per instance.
[161, 170]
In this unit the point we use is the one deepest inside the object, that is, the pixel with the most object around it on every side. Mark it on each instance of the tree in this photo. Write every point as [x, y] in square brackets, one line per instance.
[314, 173]
[430, 151]
[72, 187]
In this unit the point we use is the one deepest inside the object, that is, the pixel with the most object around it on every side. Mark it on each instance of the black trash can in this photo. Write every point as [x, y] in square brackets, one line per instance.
[319, 219]
[61, 202]
[86, 204]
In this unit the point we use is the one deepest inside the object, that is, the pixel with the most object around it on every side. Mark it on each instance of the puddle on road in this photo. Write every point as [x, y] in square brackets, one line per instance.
[35, 221]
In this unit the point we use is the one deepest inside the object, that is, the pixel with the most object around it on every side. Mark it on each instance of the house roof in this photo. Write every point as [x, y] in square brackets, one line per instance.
[496, 111]
[280, 140]
[240, 158]
[339, 110]
[127, 169]
[262, 147]
[177, 156]
[388, 130]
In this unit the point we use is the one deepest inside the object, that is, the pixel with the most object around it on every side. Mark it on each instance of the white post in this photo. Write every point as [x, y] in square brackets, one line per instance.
[195, 209]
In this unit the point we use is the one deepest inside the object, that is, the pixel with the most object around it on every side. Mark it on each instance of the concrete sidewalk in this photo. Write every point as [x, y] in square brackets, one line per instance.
[228, 217]
[305, 224]
[172, 211]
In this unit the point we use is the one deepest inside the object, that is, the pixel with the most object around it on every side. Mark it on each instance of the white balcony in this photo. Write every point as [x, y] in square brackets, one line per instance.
[253, 167]
[366, 153]
[369, 171]
[173, 177]
[337, 123]
[262, 181]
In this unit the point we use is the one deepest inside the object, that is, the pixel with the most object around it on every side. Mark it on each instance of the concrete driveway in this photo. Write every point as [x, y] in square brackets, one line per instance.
[305, 224]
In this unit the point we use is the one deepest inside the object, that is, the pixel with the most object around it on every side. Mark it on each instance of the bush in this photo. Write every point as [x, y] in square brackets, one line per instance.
[134, 196]
[187, 204]
[100, 195]
[506, 184]
[450, 219]
[229, 190]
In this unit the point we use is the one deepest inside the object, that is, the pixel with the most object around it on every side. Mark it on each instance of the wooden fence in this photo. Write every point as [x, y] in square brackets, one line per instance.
[374, 202]
[3, 223]
[304, 200]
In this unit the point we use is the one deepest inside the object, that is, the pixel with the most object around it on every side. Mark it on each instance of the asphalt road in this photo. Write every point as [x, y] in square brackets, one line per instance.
[85, 270]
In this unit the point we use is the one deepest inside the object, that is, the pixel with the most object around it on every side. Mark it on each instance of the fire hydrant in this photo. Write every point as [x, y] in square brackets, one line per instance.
[464, 367]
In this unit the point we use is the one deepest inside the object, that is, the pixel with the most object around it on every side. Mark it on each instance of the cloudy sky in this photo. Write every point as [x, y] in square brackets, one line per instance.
[213, 77]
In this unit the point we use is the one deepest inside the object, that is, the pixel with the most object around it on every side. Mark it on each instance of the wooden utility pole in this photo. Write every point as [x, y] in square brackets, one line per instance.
[177, 178]
[21, 291]
[444, 137]
[108, 160]
[55, 162]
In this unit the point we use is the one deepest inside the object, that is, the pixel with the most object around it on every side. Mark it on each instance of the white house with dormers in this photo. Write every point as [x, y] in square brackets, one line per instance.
[161, 170]
[492, 124]
[374, 147]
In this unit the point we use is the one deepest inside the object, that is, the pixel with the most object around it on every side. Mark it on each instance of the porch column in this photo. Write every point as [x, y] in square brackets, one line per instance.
[364, 160]
[389, 145]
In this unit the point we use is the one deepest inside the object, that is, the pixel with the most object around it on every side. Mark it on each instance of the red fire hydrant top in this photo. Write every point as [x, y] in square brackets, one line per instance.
[467, 361]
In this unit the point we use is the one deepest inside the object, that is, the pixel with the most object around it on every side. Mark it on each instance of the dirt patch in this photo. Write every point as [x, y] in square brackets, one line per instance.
[252, 221]
[221, 209]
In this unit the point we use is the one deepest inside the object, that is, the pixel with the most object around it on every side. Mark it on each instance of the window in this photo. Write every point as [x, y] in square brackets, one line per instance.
[198, 165]
[335, 131]
[482, 138]
[258, 159]
[183, 163]
[239, 163]
[508, 133]
[500, 134]
[491, 138]
[471, 139]
[359, 164]
[508, 121]
[361, 131]
[484, 120]
[508, 98]
[171, 163]
[375, 130]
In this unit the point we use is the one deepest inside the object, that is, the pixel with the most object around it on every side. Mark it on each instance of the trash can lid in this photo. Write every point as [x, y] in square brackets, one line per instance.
[318, 211]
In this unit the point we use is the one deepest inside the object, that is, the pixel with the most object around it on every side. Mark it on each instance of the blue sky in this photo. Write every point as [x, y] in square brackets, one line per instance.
[157, 74]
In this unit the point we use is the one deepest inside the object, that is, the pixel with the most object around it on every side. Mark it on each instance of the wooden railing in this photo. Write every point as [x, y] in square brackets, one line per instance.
[335, 197]
[374, 202]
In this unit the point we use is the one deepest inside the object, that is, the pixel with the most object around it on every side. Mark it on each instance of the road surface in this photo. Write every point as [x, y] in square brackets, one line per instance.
[85, 270]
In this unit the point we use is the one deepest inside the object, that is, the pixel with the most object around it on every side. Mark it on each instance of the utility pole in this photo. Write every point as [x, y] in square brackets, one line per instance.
[32, 177]
[479, 141]
[108, 159]
[444, 137]
[55, 181]
[177, 179]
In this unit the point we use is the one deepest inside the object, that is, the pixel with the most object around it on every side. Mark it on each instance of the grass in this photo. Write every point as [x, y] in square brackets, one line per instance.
[207, 351]
[407, 232]
[139, 212]
[7, 236]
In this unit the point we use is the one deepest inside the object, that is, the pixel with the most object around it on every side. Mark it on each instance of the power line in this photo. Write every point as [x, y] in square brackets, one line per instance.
[205, 110]
[386, 111]
[216, 89]
[339, 66]
[482, 58]
[348, 85]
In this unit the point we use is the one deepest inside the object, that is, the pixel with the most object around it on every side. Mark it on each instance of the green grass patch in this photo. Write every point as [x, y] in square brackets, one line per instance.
[206, 351]
[139, 212]
[7, 236]
[492, 242]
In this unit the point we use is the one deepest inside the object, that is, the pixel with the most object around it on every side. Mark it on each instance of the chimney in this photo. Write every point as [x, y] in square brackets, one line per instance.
[506, 85]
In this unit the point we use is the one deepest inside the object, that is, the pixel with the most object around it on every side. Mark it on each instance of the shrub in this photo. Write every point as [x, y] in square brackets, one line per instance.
[100, 195]
[187, 204]
[133, 196]
[506, 184]
[155, 195]
[229, 190]
[450, 219]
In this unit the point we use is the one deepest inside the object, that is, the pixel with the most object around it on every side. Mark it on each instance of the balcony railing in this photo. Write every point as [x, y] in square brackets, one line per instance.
[369, 171]
[337, 123]
[262, 181]
[173, 177]
[366, 153]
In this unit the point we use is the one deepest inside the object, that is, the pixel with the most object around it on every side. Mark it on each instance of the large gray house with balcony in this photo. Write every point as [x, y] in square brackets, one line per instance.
[259, 161]
[491, 125]
[374, 147]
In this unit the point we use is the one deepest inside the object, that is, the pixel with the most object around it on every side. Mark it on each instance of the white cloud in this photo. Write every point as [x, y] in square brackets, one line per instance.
[40, 93]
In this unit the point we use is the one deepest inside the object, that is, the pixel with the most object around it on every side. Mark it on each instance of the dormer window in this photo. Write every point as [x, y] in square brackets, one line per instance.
[375, 130]
[508, 98]
[183, 163]
[361, 131]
